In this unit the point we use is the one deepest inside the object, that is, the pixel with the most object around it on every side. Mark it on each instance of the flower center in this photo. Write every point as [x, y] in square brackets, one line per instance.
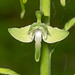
[38, 35]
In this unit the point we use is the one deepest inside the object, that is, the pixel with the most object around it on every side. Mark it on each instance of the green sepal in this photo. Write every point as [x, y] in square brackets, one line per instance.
[21, 34]
[7, 71]
[55, 35]
[38, 16]
[69, 24]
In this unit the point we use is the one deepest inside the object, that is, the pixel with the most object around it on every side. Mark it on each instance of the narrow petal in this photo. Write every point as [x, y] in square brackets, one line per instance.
[37, 45]
[21, 34]
[55, 35]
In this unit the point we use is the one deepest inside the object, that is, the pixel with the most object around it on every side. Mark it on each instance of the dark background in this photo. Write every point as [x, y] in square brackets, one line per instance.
[20, 56]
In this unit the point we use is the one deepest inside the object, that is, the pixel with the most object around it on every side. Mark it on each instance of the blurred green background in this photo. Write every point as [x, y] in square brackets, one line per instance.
[20, 56]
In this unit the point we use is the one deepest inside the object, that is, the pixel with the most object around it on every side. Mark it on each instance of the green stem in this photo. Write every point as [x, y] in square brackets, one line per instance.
[22, 9]
[45, 7]
[45, 68]
[45, 61]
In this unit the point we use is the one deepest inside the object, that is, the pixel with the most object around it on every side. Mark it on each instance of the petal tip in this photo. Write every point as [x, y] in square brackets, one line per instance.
[37, 60]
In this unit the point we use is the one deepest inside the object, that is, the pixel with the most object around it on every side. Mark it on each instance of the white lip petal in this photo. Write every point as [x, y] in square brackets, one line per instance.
[38, 38]
[38, 35]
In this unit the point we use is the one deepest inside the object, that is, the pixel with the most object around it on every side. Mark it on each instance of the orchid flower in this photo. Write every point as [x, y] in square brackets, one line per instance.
[37, 32]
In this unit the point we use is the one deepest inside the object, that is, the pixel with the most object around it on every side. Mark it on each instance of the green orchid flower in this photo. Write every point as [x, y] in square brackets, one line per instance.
[38, 32]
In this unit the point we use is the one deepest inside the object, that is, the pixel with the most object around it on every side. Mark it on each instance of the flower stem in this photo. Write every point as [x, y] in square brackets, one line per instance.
[45, 61]
[45, 7]
[45, 68]
[22, 9]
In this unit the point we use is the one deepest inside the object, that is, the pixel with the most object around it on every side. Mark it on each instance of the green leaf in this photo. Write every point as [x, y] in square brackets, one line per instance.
[7, 71]
[63, 2]
[21, 34]
[69, 24]
[24, 1]
[55, 35]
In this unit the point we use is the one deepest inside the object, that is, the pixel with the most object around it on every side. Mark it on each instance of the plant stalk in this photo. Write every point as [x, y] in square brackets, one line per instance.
[45, 61]
[45, 7]
[45, 68]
